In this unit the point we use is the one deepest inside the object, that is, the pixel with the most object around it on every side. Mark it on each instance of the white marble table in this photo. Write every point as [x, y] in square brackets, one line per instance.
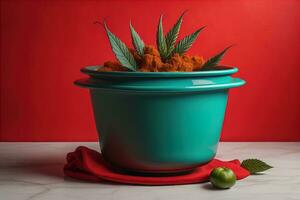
[32, 171]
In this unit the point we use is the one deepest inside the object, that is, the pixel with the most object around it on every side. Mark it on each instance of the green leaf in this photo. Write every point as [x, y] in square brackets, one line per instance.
[255, 165]
[214, 61]
[121, 51]
[138, 43]
[186, 43]
[161, 41]
[172, 35]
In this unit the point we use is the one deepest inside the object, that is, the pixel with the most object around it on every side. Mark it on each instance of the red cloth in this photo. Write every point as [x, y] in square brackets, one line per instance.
[87, 164]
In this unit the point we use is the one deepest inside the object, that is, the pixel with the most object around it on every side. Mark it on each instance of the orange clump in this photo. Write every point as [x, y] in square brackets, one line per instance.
[148, 49]
[112, 66]
[186, 63]
[136, 57]
[181, 63]
[152, 62]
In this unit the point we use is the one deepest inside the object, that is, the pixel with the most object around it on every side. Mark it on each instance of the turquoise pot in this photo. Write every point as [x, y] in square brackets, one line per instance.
[159, 121]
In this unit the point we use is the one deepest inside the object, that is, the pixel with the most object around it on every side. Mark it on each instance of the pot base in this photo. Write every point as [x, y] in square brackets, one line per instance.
[151, 173]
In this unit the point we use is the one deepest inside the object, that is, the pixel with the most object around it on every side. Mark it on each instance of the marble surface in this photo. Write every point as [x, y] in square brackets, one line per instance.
[32, 171]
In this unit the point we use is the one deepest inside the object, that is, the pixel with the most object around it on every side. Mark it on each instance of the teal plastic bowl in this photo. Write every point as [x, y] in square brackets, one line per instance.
[159, 122]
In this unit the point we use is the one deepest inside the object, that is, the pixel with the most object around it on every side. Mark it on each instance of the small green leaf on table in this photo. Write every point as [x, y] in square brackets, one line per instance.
[255, 165]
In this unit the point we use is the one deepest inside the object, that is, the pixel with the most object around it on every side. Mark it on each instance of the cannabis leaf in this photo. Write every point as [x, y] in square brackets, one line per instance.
[121, 51]
[214, 61]
[255, 165]
[161, 41]
[172, 35]
[186, 43]
[138, 43]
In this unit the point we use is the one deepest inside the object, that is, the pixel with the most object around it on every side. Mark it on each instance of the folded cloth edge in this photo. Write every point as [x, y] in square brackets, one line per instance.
[87, 164]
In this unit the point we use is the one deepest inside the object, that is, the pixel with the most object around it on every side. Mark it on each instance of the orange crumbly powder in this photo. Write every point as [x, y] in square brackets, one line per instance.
[151, 62]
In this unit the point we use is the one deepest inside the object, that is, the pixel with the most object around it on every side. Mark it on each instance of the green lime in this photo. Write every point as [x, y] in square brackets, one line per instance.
[222, 177]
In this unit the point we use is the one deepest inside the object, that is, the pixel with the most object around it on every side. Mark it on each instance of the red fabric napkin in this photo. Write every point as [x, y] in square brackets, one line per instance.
[87, 164]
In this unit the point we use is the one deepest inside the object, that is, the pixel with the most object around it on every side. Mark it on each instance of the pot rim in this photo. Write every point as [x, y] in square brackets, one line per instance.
[93, 83]
[223, 70]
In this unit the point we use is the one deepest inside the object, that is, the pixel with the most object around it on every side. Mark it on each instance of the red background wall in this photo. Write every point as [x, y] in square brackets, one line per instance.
[45, 43]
